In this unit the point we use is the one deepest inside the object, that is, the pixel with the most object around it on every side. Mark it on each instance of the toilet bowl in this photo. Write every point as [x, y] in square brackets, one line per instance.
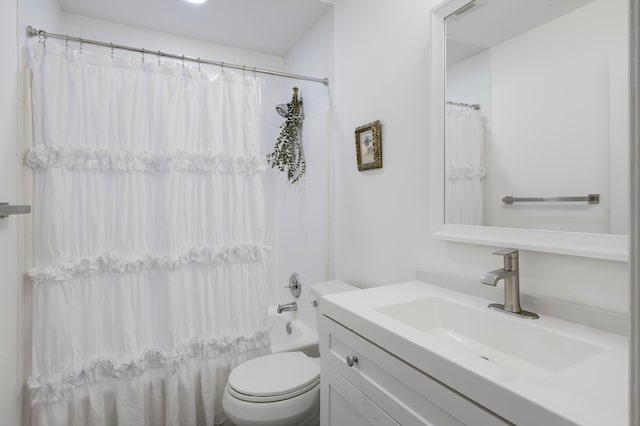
[280, 389]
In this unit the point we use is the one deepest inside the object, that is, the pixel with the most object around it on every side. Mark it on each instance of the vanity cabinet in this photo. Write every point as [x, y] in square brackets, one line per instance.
[362, 384]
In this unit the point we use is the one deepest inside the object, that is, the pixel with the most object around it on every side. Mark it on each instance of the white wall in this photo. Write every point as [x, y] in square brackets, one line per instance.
[301, 225]
[469, 81]
[41, 15]
[10, 386]
[550, 119]
[382, 73]
[385, 218]
[154, 40]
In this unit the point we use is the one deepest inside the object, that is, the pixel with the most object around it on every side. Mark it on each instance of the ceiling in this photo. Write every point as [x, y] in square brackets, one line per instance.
[269, 26]
[495, 21]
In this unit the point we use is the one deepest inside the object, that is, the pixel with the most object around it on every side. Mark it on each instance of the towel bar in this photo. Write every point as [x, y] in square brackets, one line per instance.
[591, 199]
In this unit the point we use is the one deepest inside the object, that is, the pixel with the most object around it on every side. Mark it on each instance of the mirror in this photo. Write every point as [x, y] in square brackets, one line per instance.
[537, 108]
[550, 79]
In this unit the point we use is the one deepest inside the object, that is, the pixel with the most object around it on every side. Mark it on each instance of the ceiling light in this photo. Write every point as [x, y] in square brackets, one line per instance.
[195, 1]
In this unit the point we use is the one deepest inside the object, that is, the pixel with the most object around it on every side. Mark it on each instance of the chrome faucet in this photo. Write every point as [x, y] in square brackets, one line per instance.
[287, 307]
[511, 276]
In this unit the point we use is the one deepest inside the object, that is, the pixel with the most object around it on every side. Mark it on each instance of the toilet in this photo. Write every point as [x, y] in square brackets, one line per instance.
[280, 389]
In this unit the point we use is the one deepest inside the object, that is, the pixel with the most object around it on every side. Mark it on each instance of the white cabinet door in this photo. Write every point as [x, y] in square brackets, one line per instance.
[406, 394]
[341, 404]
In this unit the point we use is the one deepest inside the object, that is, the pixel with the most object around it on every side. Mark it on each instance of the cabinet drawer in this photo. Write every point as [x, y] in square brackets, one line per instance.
[408, 395]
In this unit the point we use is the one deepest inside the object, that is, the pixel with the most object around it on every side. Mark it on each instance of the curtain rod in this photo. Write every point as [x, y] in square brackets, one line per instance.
[463, 105]
[32, 32]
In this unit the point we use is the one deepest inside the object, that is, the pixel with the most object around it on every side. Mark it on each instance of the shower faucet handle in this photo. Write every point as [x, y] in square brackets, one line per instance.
[295, 286]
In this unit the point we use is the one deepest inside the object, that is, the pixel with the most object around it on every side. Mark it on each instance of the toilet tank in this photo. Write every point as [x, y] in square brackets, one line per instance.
[328, 287]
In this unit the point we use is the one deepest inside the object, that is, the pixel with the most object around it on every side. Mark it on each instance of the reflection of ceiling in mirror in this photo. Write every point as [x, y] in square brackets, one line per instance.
[495, 21]
[458, 51]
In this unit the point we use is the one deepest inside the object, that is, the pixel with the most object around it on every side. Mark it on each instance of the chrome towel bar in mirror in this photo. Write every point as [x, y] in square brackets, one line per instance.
[591, 199]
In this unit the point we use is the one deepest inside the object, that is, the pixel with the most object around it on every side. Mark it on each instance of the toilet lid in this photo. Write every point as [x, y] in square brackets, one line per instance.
[275, 375]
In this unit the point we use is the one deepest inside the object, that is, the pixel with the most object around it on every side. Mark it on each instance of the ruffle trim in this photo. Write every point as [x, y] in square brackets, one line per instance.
[462, 111]
[45, 391]
[466, 173]
[103, 160]
[127, 263]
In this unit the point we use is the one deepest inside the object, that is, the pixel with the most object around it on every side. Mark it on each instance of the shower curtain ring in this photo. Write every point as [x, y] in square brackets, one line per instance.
[254, 73]
[81, 43]
[222, 66]
[199, 65]
[182, 61]
[159, 54]
[111, 50]
[66, 42]
[143, 55]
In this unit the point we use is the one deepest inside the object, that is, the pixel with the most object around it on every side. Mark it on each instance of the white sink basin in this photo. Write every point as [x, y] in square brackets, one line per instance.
[517, 368]
[512, 343]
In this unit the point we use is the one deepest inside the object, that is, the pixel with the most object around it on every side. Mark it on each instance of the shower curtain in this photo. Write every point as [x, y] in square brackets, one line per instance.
[464, 166]
[148, 275]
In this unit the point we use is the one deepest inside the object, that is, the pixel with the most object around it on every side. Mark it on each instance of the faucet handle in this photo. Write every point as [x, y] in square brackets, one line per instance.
[507, 252]
[295, 286]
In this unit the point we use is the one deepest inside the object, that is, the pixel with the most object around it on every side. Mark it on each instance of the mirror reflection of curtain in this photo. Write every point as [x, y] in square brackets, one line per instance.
[464, 166]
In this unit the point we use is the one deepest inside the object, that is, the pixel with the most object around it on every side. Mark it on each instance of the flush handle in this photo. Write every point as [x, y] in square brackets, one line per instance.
[352, 360]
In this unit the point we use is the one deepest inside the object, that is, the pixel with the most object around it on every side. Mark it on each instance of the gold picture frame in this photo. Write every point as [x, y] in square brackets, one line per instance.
[369, 146]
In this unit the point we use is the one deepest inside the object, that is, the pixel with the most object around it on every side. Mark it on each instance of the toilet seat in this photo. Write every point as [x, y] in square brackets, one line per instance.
[274, 377]
[272, 398]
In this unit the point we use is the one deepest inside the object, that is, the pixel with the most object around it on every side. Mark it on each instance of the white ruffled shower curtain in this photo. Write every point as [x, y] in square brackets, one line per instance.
[464, 166]
[149, 279]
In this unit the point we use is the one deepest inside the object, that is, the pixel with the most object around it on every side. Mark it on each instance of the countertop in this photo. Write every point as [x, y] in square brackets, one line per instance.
[591, 392]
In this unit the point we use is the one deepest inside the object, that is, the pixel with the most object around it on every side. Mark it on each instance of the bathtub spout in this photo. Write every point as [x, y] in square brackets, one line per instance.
[293, 306]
